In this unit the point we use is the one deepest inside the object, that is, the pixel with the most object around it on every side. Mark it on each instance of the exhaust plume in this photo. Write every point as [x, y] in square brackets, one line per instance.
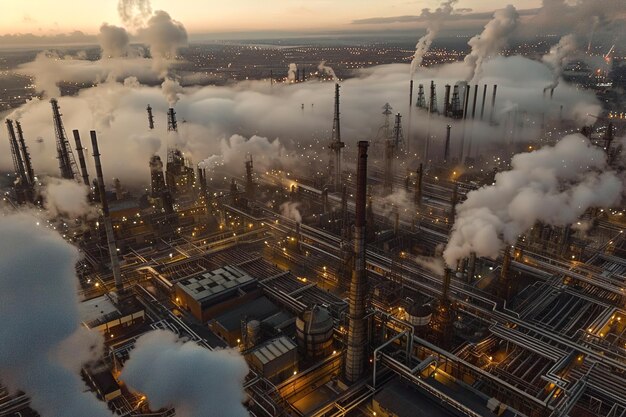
[197, 382]
[325, 69]
[556, 59]
[134, 13]
[291, 74]
[114, 41]
[435, 22]
[491, 41]
[67, 198]
[43, 347]
[164, 37]
[290, 210]
[171, 90]
[554, 185]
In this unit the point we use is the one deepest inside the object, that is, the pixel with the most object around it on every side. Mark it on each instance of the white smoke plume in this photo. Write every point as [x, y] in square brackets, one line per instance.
[491, 41]
[436, 265]
[325, 69]
[266, 153]
[67, 198]
[554, 185]
[134, 13]
[291, 74]
[197, 382]
[114, 41]
[164, 37]
[211, 162]
[290, 210]
[172, 91]
[434, 25]
[557, 57]
[43, 346]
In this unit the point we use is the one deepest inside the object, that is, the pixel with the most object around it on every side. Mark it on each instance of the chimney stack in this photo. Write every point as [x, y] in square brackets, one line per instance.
[108, 227]
[482, 108]
[493, 103]
[446, 102]
[357, 324]
[81, 157]
[25, 154]
[150, 117]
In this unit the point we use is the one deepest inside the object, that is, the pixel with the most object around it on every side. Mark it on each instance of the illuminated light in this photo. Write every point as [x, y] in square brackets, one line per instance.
[97, 284]
[295, 372]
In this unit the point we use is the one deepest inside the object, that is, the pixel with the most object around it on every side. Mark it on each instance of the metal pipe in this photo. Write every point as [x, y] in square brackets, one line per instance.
[81, 157]
[108, 227]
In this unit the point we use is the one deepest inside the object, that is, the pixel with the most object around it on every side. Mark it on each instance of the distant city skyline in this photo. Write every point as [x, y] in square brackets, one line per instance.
[49, 18]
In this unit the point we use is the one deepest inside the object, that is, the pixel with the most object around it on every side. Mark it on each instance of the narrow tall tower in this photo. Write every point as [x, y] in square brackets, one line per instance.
[493, 103]
[446, 149]
[67, 163]
[419, 184]
[398, 135]
[18, 163]
[172, 124]
[249, 179]
[421, 99]
[81, 157]
[357, 329]
[25, 154]
[336, 144]
[432, 105]
[108, 227]
[150, 117]
[446, 101]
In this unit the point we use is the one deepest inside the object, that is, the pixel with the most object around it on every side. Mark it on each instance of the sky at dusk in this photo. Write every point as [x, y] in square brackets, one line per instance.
[52, 17]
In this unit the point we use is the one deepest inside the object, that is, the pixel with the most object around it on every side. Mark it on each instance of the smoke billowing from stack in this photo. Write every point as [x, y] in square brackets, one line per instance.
[435, 22]
[292, 73]
[491, 41]
[114, 41]
[557, 58]
[554, 185]
[325, 69]
[196, 381]
[81, 157]
[357, 329]
[108, 227]
[134, 13]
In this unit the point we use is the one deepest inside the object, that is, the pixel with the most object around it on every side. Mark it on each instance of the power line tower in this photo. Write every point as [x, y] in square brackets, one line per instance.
[67, 163]
[336, 144]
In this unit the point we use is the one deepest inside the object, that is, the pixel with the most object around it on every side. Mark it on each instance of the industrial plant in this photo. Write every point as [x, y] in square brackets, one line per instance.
[458, 252]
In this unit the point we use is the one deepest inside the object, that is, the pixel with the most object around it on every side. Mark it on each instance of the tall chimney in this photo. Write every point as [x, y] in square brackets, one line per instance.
[466, 101]
[504, 282]
[446, 149]
[446, 101]
[357, 329]
[25, 154]
[419, 184]
[336, 144]
[67, 164]
[410, 94]
[108, 227]
[493, 103]
[482, 108]
[172, 124]
[432, 105]
[150, 117]
[421, 99]
[81, 157]
[18, 163]
[474, 105]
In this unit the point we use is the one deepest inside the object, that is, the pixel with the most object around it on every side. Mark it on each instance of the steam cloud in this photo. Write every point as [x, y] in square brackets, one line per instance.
[113, 40]
[492, 40]
[134, 13]
[66, 198]
[164, 37]
[435, 22]
[291, 74]
[290, 210]
[557, 58]
[197, 382]
[171, 90]
[554, 185]
[325, 69]
[43, 347]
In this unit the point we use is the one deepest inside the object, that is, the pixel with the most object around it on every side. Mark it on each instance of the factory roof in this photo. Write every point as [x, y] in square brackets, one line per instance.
[274, 349]
[257, 309]
[210, 284]
[95, 308]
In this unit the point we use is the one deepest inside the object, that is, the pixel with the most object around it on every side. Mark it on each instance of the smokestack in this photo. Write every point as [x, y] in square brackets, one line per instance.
[18, 163]
[249, 179]
[471, 268]
[454, 202]
[466, 101]
[26, 155]
[432, 106]
[504, 282]
[357, 329]
[81, 157]
[410, 94]
[482, 108]
[446, 286]
[446, 102]
[172, 124]
[474, 105]
[336, 144]
[108, 227]
[446, 149]
[67, 164]
[493, 103]
[150, 117]
[418, 184]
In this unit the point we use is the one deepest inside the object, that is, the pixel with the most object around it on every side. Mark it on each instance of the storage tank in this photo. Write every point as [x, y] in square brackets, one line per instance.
[315, 332]
[253, 329]
[418, 314]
